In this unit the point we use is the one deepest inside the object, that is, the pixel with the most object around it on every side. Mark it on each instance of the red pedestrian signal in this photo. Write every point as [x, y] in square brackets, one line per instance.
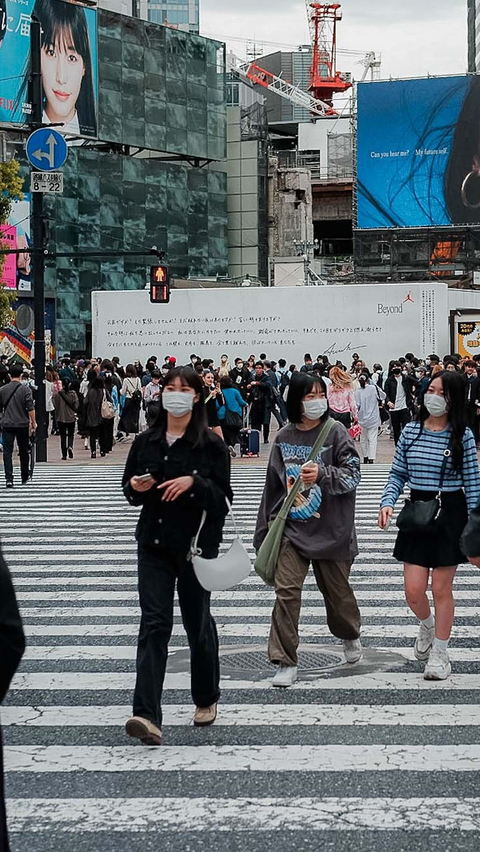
[159, 285]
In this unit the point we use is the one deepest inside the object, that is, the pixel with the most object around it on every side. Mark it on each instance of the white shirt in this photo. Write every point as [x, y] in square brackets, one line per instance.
[400, 399]
[72, 126]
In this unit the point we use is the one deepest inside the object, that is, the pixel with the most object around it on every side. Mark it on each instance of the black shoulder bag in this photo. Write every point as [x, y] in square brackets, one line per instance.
[384, 415]
[421, 515]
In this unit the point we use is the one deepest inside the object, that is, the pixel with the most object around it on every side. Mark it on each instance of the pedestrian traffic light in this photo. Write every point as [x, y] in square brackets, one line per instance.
[159, 285]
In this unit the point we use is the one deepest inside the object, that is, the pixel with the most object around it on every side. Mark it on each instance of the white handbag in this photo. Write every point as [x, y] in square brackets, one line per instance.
[223, 572]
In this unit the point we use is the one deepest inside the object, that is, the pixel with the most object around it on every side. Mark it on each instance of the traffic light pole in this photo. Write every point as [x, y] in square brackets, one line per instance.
[38, 261]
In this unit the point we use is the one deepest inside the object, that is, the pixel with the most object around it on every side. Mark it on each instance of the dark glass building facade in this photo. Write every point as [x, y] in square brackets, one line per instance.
[156, 176]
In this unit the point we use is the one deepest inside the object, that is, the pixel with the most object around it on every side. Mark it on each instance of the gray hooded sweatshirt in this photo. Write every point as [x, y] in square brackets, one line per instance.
[321, 524]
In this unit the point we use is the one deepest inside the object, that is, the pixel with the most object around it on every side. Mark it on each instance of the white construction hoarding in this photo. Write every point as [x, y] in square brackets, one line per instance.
[378, 321]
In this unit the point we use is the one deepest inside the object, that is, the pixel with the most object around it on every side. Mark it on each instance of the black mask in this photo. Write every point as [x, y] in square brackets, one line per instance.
[397, 372]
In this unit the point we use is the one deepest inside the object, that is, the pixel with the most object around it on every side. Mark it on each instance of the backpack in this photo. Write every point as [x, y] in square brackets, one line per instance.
[284, 383]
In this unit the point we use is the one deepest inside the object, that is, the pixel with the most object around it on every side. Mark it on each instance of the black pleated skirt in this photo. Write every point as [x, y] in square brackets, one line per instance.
[440, 548]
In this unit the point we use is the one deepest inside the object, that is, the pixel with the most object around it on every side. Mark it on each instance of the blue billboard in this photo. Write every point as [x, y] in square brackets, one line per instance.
[69, 64]
[418, 154]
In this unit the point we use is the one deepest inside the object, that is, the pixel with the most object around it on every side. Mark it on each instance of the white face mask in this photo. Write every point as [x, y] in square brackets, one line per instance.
[435, 405]
[314, 409]
[178, 403]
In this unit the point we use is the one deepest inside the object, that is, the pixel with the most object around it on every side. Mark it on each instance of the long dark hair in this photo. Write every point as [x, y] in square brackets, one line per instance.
[197, 430]
[465, 151]
[455, 390]
[300, 385]
[59, 21]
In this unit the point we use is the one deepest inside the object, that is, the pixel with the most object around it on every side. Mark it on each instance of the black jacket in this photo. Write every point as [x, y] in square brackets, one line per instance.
[172, 525]
[409, 386]
[473, 390]
[244, 376]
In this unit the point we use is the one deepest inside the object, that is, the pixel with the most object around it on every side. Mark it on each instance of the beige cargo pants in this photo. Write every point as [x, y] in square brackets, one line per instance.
[343, 615]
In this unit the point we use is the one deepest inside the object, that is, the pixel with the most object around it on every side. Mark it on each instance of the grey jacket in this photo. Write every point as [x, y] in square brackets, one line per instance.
[64, 411]
[321, 524]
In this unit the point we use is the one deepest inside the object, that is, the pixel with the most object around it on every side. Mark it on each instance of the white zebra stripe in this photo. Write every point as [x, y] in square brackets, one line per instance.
[244, 815]
[268, 758]
[238, 715]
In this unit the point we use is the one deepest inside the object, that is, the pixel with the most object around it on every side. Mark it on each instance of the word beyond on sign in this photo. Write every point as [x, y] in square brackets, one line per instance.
[46, 182]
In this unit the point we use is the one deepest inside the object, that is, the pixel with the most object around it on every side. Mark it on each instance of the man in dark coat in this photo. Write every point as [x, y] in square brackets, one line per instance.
[12, 646]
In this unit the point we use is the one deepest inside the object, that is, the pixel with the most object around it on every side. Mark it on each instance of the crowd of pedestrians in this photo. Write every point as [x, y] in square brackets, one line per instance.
[329, 417]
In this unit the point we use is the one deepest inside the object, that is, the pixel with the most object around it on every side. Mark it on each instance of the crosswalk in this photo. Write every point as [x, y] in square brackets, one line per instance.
[360, 757]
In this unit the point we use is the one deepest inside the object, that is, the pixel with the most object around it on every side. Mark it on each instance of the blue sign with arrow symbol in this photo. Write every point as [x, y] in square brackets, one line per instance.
[46, 149]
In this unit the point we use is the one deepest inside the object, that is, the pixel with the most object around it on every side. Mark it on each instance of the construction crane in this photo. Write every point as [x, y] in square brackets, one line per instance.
[253, 72]
[373, 64]
[325, 80]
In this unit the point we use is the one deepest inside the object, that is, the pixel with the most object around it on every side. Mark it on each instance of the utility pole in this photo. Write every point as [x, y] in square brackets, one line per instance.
[38, 261]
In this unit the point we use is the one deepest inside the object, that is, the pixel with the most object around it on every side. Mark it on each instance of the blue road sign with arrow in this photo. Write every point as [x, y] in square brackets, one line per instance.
[46, 149]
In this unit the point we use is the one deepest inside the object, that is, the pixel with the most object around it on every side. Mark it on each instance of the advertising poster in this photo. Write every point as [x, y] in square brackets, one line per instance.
[17, 270]
[418, 162]
[69, 64]
[468, 337]
[377, 322]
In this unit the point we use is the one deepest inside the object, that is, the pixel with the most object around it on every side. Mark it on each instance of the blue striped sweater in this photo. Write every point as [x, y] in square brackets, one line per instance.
[419, 464]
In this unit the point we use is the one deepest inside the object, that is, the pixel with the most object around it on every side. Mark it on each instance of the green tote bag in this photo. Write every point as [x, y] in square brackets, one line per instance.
[267, 557]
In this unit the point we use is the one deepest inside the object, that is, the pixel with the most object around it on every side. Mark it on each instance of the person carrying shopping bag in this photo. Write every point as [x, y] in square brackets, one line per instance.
[436, 456]
[175, 471]
[319, 529]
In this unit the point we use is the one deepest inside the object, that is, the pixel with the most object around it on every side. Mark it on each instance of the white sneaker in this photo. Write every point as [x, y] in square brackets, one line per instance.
[352, 648]
[285, 676]
[438, 666]
[424, 642]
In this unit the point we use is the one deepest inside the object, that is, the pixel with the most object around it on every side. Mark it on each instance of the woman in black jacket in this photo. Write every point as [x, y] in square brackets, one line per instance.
[174, 471]
[12, 647]
[93, 412]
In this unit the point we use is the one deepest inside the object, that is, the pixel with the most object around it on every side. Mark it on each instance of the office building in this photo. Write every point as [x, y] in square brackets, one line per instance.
[294, 67]
[156, 175]
[182, 15]
[473, 35]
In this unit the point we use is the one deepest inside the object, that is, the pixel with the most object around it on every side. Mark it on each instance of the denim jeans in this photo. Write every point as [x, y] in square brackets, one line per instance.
[157, 574]
[9, 435]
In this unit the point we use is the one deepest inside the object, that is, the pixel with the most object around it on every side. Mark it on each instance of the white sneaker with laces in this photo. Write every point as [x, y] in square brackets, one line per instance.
[285, 676]
[424, 642]
[438, 666]
[352, 648]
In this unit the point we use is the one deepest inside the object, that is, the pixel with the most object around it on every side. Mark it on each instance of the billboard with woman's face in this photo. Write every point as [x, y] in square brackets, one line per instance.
[69, 64]
[418, 162]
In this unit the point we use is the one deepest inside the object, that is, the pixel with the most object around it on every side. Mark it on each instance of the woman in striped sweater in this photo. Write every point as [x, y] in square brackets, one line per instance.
[440, 432]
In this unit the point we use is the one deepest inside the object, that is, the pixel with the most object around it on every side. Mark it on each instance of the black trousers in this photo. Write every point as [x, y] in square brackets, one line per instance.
[9, 435]
[67, 431]
[399, 420]
[157, 574]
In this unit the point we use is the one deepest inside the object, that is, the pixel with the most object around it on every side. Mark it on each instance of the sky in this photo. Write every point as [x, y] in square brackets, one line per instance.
[414, 37]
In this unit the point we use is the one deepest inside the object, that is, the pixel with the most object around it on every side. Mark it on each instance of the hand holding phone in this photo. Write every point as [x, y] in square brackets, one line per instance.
[142, 483]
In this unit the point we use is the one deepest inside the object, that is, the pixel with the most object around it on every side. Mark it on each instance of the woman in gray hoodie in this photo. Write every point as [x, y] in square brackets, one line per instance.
[320, 529]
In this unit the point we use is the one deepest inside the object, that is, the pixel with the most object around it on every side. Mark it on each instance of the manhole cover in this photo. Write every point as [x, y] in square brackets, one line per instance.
[257, 660]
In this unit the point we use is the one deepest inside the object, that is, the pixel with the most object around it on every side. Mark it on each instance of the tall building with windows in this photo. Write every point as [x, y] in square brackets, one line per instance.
[181, 14]
[473, 35]
[294, 67]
